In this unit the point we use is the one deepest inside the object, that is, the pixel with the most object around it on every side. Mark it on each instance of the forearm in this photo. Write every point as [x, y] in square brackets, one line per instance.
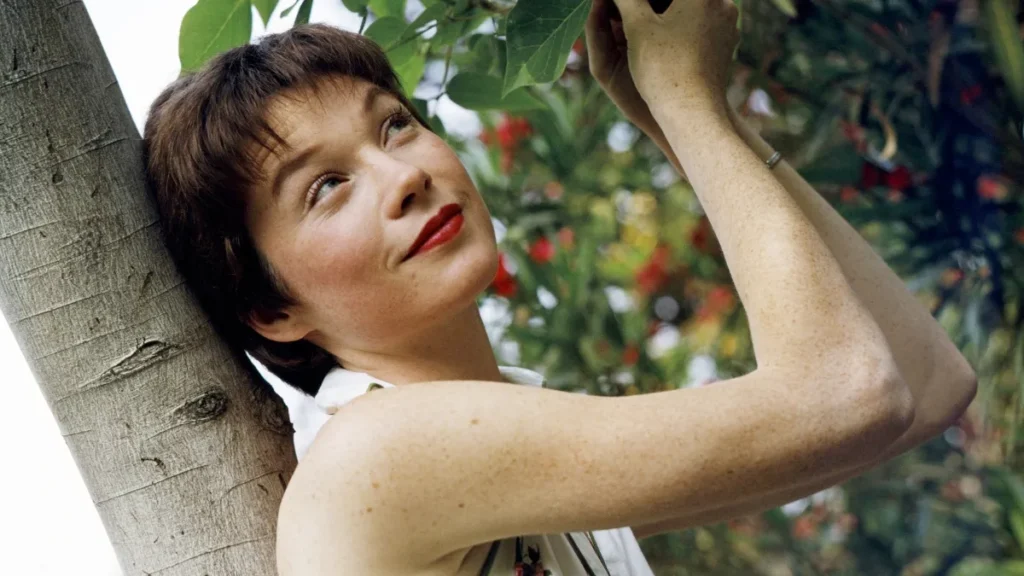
[808, 485]
[799, 305]
[940, 379]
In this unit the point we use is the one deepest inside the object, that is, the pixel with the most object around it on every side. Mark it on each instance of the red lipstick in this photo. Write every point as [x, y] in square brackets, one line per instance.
[441, 228]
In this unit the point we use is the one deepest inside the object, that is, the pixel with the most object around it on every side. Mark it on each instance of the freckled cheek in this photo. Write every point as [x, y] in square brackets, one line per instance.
[342, 263]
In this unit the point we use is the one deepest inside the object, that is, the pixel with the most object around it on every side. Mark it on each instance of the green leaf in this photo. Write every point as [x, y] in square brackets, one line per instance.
[410, 73]
[288, 10]
[786, 7]
[1009, 52]
[211, 27]
[481, 54]
[477, 91]
[388, 32]
[1017, 527]
[303, 16]
[265, 8]
[357, 6]
[431, 14]
[539, 36]
[383, 8]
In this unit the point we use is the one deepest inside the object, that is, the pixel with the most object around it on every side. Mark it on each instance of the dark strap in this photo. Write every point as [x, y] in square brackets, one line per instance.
[593, 543]
[490, 558]
[583, 561]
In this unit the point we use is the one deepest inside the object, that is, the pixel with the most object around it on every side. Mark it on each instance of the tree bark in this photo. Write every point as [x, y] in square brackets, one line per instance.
[185, 457]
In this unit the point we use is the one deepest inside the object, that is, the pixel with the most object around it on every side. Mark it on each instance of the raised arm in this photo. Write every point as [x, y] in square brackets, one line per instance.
[940, 379]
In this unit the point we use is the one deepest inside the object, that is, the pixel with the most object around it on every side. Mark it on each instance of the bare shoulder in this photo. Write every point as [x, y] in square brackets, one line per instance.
[403, 478]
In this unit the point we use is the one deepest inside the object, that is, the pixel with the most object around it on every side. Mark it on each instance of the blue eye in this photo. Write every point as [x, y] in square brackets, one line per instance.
[399, 120]
[323, 183]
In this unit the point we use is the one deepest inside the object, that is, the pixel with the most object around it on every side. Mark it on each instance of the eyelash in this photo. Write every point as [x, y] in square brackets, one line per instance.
[398, 117]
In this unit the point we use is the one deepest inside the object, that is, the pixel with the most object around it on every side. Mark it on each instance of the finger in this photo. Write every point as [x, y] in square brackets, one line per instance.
[598, 26]
[631, 9]
[600, 39]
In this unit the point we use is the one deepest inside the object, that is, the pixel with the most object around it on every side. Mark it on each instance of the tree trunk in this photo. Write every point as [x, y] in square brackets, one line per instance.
[185, 458]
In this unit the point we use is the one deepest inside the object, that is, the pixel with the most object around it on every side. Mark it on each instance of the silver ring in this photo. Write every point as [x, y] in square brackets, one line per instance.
[774, 160]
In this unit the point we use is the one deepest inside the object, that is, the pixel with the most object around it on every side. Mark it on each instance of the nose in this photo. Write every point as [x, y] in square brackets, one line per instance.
[403, 181]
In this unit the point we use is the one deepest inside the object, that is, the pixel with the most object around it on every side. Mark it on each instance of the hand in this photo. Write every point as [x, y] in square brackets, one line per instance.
[680, 58]
[607, 53]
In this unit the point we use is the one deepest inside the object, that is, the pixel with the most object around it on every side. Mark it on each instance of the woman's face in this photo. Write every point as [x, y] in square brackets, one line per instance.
[340, 209]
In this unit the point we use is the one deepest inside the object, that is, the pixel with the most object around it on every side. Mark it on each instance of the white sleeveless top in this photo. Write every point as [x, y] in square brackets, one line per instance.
[599, 553]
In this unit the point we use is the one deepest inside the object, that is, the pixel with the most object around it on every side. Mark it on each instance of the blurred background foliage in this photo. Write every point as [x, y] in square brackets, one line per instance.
[904, 114]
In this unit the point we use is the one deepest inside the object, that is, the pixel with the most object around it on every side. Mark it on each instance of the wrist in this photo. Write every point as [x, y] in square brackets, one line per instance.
[702, 109]
[695, 114]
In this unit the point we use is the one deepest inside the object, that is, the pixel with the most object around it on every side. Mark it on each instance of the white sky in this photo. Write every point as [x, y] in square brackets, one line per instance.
[48, 526]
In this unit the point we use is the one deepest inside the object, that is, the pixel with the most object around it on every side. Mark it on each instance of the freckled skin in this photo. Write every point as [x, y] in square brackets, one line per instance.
[342, 259]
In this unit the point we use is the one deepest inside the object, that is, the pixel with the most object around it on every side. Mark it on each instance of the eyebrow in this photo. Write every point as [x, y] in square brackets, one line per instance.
[291, 165]
[372, 95]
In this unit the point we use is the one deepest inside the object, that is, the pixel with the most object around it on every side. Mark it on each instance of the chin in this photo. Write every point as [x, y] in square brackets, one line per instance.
[477, 270]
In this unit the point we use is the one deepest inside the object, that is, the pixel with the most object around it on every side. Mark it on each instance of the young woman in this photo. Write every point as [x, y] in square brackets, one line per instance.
[322, 226]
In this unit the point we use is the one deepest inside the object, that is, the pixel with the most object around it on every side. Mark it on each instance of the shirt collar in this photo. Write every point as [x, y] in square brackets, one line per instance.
[341, 386]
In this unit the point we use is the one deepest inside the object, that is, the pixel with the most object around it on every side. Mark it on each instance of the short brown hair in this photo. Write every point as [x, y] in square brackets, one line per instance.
[201, 160]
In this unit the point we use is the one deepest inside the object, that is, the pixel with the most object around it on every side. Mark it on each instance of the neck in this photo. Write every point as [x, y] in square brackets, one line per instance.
[459, 351]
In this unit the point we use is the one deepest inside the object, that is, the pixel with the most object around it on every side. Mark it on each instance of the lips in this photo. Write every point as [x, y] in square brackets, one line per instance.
[446, 213]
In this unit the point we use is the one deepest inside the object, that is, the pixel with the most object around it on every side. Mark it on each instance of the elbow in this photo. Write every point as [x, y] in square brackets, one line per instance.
[885, 404]
[959, 388]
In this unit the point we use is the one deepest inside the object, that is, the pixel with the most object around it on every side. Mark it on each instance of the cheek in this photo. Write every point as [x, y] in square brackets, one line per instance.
[334, 268]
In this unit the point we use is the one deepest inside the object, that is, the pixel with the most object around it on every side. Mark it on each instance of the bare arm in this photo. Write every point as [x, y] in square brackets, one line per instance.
[939, 377]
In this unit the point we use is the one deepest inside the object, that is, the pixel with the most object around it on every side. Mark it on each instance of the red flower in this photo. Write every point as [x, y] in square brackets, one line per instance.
[653, 275]
[849, 194]
[542, 250]
[631, 355]
[511, 130]
[879, 29]
[719, 299]
[554, 190]
[578, 47]
[804, 528]
[507, 135]
[504, 283]
[970, 94]
[898, 179]
[951, 277]
[566, 238]
[1019, 235]
[992, 188]
[853, 132]
[870, 175]
[951, 491]
[700, 237]
[652, 328]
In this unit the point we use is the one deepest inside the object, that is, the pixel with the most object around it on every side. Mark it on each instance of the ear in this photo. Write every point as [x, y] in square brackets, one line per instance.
[280, 326]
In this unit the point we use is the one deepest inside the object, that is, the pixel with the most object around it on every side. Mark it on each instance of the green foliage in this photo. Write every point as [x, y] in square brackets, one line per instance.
[384, 8]
[211, 27]
[477, 91]
[539, 37]
[1007, 46]
[265, 8]
[302, 17]
[539, 34]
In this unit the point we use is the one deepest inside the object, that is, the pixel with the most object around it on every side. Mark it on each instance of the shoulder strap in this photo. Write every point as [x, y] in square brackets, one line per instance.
[491, 555]
[579, 555]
